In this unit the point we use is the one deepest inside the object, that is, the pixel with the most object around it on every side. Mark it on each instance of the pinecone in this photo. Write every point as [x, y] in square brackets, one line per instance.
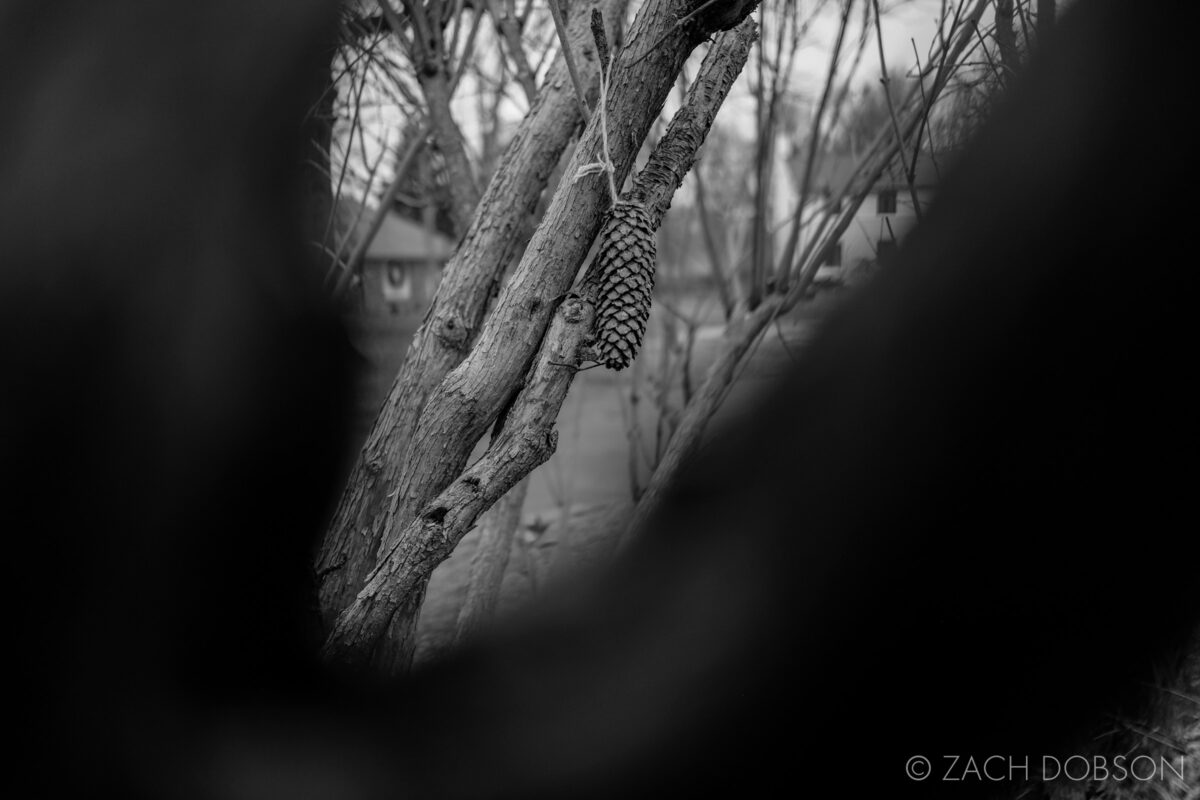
[626, 268]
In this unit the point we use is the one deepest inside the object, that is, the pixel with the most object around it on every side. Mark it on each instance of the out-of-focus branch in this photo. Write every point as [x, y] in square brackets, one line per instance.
[510, 32]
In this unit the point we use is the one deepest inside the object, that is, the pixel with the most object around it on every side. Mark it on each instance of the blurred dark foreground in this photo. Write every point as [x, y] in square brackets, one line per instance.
[966, 527]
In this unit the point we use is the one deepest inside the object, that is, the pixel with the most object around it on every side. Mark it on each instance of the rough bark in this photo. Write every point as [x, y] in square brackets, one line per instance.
[433, 506]
[469, 281]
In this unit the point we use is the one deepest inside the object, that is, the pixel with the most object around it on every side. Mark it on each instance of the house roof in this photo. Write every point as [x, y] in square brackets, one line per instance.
[398, 239]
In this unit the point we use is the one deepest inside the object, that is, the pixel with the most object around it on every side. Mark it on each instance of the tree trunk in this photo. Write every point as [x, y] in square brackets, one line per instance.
[469, 281]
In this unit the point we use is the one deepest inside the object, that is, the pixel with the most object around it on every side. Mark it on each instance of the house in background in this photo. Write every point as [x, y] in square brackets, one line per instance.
[884, 218]
[403, 263]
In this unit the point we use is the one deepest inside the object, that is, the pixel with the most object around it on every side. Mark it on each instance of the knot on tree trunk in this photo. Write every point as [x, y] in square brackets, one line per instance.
[452, 331]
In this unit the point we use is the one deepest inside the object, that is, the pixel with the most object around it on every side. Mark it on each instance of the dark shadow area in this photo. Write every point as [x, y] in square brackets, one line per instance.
[963, 526]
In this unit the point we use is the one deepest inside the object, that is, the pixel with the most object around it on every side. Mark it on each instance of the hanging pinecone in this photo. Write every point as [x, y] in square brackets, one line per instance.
[626, 268]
